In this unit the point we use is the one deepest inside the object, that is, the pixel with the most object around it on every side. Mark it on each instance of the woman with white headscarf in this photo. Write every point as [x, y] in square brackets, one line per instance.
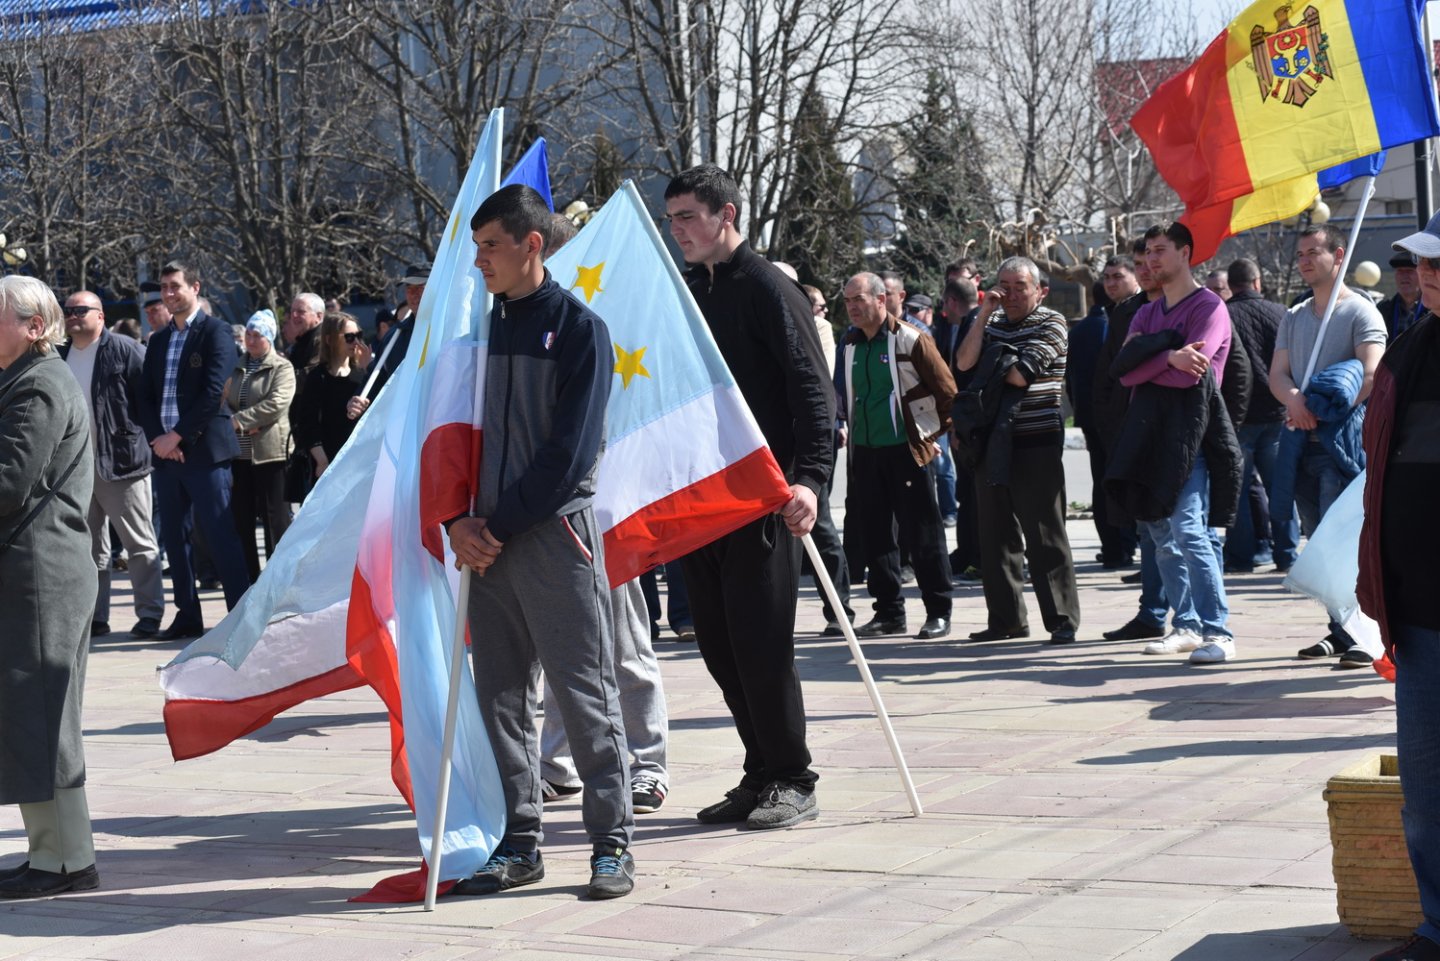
[260, 391]
[47, 594]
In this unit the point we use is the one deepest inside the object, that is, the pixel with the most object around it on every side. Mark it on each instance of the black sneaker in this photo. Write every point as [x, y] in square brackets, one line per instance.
[782, 806]
[1418, 948]
[647, 793]
[557, 792]
[612, 874]
[99, 628]
[507, 868]
[1354, 659]
[1321, 649]
[738, 803]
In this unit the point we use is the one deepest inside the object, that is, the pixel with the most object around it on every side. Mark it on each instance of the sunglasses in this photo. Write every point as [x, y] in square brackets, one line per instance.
[353, 338]
[78, 311]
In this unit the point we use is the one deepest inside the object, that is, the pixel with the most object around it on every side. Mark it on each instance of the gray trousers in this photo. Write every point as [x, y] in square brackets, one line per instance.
[642, 698]
[127, 505]
[545, 604]
[59, 831]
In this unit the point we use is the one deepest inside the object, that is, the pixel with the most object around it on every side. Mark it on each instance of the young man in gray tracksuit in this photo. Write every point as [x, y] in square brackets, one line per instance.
[540, 597]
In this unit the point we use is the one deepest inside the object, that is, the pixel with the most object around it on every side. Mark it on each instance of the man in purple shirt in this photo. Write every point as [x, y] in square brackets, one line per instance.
[1186, 547]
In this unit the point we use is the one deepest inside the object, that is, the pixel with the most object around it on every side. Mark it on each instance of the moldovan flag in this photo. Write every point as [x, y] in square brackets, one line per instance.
[684, 463]
[1287, 91]
[358, 590]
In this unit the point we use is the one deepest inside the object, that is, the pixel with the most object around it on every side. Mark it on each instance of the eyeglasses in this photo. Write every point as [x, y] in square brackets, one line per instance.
[78, 311]
[353, 337]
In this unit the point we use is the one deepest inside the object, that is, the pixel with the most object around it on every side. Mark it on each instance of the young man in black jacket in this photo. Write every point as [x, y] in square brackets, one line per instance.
[743, 587]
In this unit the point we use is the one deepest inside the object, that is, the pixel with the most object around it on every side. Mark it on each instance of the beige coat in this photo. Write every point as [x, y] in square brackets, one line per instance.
[267, 404]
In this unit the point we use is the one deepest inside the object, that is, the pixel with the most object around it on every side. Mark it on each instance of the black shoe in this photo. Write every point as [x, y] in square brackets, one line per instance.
[1135, 630]
[145, 627]
[14, 872]
[880, 626]
[833, 629]
[506, 869]
[1063, 637]
[970, 575]
[1354, 659]
[99, 628]
[1131, 578]
[933, 628]
[647, 793]
[210, 584]
[783, 806]
[993, 634]
[34, 883]
[1321, 649]
[612, 874]
[1119, 564]
[738, 803]
[1416, 949]
[181, 632]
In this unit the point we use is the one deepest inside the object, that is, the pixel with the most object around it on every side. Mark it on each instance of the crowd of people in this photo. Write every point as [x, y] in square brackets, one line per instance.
[1204, 407]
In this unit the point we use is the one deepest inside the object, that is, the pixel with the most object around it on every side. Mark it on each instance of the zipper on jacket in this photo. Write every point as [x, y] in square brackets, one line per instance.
[509, 387]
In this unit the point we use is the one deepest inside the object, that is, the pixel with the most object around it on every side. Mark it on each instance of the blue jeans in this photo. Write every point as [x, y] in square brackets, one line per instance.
[1153, 606]
[1188, 555]
[1259, 443]
[942, 470]
[1417, 742]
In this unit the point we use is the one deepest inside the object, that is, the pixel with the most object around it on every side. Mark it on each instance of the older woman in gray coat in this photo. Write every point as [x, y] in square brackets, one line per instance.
[46, 474]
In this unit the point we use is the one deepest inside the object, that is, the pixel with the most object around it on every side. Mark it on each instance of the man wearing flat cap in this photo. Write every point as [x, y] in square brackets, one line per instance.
[416, 277]
[1403, 308]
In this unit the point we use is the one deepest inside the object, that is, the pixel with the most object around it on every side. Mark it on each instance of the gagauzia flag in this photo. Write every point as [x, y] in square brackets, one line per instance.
[1285, 92]
[685, 462]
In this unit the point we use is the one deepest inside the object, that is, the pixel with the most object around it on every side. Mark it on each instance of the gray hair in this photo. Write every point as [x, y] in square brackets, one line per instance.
[313, 302]
[28, 298]
[870, 283]
[1016, 264]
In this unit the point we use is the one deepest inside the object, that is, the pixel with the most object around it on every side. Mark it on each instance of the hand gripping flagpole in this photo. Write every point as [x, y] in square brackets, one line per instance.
[823, 576]
[462, 612]
[1335, 288]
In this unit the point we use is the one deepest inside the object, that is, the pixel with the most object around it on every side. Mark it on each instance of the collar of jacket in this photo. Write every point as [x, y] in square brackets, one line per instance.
[1247, 295]
[725, 267]
[271, 359]
[854, 335]
[541, 300]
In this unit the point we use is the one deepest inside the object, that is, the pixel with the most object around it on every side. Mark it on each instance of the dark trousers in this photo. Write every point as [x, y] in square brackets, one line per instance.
[1117, 543]
[742, 595]
[1027, 517]
[890, 488]
[677, 599]
[967, 523]
[181, 488]
[259, 495]
[832, 554]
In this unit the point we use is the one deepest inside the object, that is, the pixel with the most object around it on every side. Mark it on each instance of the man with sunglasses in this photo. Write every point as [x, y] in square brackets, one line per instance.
[109, 369]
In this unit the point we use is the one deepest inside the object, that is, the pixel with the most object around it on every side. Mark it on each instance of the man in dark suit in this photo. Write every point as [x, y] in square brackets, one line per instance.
[191, 436]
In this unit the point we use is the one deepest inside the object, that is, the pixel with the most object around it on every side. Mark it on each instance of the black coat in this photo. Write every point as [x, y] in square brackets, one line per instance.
[1111, 397]
[1165, 428]
[207, 434]
[1254, 322]
[983, 415]
[121, 451]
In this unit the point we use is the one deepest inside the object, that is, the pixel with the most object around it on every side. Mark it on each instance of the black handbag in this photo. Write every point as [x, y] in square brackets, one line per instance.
[299, 476]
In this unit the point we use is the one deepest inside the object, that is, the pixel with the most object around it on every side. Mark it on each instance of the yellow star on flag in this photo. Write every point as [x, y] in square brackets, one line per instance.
[628, 364]
[588, 280]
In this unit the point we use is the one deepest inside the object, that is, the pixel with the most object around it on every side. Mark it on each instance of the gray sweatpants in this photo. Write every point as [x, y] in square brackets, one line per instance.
[127, 505]
[642, 698]
[545, 604]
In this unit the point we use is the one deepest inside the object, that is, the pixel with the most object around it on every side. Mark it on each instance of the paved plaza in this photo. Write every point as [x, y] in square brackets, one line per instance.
[1082, 802]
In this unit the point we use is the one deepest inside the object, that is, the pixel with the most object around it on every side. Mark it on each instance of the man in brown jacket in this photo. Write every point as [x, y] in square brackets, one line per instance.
[899, 390]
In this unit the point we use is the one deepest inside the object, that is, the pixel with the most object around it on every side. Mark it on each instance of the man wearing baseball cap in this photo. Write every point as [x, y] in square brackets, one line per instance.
[1399, 565]
[1404, 308]
[417, 275]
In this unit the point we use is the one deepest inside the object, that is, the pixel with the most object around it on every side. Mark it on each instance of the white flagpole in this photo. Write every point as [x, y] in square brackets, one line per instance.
[823, 576]
[462, 616]
[379, 363]
[1335, 289]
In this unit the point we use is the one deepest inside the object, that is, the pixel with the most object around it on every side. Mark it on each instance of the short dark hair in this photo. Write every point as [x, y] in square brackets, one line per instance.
[1098, 295]
[562, 231]
[1328, 235]
[1176, 232]
[964, 263]
[519, 209]
[962, 290]
[711, 186]
[1123, 261]
[1242, 274]
[891, 275]
[187, 273]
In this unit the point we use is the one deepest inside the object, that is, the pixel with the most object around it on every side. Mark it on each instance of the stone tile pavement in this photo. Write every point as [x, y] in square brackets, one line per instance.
[1081, 803]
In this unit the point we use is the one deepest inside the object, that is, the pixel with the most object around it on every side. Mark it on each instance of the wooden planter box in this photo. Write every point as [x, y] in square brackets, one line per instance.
[1374, 884]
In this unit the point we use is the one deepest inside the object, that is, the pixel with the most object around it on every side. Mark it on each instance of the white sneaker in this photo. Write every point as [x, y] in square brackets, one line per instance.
[1178, 641]
[1215, 650]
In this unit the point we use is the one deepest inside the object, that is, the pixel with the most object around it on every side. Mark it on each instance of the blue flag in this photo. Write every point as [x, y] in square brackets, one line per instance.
[533, 170]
